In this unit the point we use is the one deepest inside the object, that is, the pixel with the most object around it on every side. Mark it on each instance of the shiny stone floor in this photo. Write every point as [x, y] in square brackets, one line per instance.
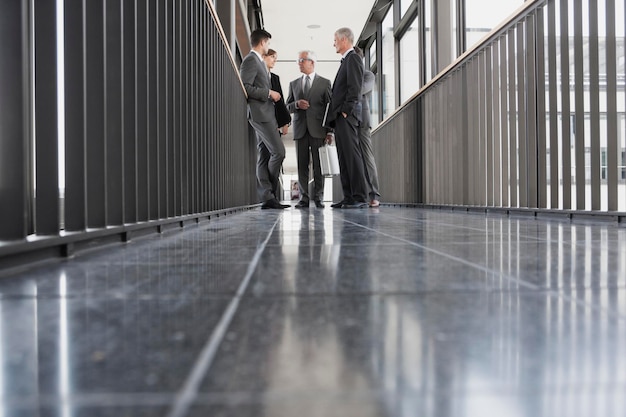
[389, 312]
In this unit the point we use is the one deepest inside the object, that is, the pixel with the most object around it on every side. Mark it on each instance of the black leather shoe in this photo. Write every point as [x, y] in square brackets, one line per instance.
[319, 204]
[302, 205]
[339, 204]
[273, 204]
[355, 205]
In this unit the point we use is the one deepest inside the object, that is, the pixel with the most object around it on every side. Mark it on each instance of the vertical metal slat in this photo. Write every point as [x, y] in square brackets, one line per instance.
[542, 198]
[46, 126]
[75, 180]
[95, 149]
[613, 144]
[113, 112]
[565, 108]
[15, 134]
[554, 116]
[579, 106]
[522, 114]
[594, 100]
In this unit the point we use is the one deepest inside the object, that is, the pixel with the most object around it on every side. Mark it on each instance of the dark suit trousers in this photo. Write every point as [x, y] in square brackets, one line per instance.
[302, 153]
[351, 168]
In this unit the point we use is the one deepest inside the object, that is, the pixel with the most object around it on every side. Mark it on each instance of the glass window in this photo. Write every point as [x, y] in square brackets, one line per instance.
[428, 37]
[478, 23]
[404, 6]
[388, 79]
[374, 110]
[409, 66]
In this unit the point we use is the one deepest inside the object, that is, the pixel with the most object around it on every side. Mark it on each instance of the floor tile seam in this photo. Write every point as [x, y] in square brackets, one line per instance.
[327, 294]
[523, 236]
[526, 236]
[105, 400]
[521, 282]
[99, 297]
[133, 399]
[189, 390]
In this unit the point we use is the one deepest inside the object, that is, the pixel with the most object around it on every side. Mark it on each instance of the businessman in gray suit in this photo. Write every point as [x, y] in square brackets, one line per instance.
[307, 99]
[261, 114]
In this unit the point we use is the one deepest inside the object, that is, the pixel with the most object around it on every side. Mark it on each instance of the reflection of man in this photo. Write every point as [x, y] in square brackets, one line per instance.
[261, 115]
[307, 100]
[345, 116]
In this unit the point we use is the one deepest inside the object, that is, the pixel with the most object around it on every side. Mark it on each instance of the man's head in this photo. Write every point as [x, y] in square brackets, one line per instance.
[306, 62]
[260, 41]
[344, 39]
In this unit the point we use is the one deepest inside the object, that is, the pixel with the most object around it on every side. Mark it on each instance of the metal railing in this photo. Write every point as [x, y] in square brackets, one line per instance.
[153, 115]
[531, 117]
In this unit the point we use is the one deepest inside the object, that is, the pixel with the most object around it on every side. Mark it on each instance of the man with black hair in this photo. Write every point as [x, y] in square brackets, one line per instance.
[261, 115]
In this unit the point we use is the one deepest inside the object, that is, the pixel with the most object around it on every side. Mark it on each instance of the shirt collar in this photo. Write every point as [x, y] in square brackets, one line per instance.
[346, 53]
[259, 55]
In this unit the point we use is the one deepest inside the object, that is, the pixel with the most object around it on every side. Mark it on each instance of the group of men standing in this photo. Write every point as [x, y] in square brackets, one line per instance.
[347, 123]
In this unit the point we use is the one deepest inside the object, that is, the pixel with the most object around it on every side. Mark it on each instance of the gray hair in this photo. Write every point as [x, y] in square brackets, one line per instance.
[345, 33]
[309, 54]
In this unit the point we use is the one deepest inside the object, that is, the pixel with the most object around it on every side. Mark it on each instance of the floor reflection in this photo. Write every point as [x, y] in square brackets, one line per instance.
[392, 312]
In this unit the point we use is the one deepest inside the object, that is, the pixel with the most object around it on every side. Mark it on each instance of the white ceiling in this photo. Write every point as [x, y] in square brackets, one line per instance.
[288, 22]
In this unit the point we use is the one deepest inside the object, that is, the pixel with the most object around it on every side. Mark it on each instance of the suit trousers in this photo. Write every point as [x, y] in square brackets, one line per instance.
[303, 145]
[271, 153]
[371, 172]
[351, 169]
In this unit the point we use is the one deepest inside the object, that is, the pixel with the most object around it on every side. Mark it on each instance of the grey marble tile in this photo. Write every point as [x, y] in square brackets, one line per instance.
[436, 345]
[388, 312]
[89, 345]
[64, 410]
[166, 277]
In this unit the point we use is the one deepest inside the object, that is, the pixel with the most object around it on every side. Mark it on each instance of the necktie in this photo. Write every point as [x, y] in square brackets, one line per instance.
[307, 85]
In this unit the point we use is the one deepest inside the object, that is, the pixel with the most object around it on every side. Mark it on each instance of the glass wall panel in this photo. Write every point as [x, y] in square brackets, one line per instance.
[428, 39]
[478, 23]
[404, 6]
[388, 79]
[409, 67]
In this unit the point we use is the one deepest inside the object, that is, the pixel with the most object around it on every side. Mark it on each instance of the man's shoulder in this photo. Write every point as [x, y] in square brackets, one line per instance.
[322, 79]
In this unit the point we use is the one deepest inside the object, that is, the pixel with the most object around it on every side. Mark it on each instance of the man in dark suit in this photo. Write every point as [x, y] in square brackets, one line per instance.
[308, 96]
[345, 117]
[261, 114]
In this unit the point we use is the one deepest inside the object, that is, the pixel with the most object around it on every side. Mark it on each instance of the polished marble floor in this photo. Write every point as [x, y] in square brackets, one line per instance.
[389, 312]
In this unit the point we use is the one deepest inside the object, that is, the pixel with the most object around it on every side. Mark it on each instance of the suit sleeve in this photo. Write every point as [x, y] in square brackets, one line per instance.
[291, 101]
[354, 84]
[248, 72]
[368, 82]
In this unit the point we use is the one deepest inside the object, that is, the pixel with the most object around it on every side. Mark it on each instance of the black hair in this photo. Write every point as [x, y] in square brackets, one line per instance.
[258, 35]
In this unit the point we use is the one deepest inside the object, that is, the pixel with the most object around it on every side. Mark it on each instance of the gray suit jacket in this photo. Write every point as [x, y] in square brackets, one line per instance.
[366, 92]
[310, 119]
[257, 82]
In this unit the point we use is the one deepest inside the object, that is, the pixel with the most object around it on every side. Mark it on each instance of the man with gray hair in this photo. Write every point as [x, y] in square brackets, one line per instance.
[345, 117]
[307, 98]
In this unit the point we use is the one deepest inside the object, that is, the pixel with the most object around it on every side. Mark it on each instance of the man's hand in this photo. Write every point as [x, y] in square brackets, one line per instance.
[344, 115]
[328, 140]
[274, 95]
[303, 104]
